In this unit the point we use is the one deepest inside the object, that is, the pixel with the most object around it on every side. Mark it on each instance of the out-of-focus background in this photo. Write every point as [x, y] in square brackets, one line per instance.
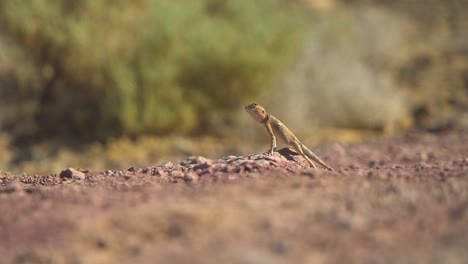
[114, 84]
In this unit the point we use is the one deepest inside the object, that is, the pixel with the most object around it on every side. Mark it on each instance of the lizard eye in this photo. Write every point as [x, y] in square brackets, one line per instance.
[263, 111]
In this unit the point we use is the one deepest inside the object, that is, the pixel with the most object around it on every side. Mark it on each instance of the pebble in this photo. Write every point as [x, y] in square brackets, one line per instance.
[72, 174]
[191, 177]
[160, 172]
[168, 164]
[309, 172]
[13, 186]
[177, 174]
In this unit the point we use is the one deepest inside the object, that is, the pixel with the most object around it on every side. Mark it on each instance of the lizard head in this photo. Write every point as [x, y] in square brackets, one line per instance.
[257, 112]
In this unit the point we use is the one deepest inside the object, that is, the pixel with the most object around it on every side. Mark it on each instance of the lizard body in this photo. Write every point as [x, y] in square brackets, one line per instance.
[276, 128]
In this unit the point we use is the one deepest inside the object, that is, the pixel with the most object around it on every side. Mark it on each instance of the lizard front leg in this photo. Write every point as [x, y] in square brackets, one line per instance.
[273, 139]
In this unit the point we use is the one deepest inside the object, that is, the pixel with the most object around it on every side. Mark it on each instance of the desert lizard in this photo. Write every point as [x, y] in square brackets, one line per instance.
[275, 127]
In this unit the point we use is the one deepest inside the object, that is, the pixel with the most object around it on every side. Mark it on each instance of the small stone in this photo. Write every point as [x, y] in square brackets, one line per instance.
[72, 174]
[132, 169]
[177, 174]
[202, 166]
[210, 170]
[239, 169]
[191, 177]
[261, 164]
[230, 159]
[168, 164]
[257, 157]
[160, 172]
[228, 169]
[13, 186]
[311, 172]
[191, 160]
[203, 160]
[248, 167]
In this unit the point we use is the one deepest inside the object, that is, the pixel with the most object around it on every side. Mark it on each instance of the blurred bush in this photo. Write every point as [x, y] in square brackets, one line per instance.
[96, 69]
[428, 65]
[386, 66]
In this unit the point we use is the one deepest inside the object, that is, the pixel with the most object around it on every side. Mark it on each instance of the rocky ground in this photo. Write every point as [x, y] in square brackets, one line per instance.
[401, 200]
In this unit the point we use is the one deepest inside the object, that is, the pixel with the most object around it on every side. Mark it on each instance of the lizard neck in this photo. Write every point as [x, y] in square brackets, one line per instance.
[267, 117]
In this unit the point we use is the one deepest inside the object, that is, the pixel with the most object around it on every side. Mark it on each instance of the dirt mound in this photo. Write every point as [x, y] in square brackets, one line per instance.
[396, 200]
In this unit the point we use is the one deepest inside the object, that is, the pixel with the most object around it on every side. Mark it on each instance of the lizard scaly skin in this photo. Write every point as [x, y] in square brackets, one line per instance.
[276, 128]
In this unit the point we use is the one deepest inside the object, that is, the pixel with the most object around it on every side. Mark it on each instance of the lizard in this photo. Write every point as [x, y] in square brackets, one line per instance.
[276, 128]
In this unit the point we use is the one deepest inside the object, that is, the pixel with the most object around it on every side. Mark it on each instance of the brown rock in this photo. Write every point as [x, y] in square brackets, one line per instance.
[258, 156]
[191, 177]
[199, 160]
[168, 164]
[160, 172]
[72, 174]
[311, 172]
[202, 166]
[177, 174]
[13, 186]
[248, 166]
[239, 169]
[230, 159]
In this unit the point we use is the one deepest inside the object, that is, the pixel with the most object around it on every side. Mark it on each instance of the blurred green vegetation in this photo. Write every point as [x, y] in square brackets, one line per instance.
[91, 70]
[114, 74]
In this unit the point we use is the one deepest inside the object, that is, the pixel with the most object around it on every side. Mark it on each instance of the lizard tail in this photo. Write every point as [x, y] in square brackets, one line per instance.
[314, 157]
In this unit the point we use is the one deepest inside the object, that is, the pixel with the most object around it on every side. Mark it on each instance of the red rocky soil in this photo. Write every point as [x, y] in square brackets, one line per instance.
[402, 200]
